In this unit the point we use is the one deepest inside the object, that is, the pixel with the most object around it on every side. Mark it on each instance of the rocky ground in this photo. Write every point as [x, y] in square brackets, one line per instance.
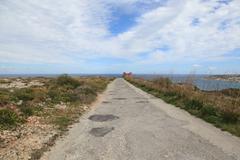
[31, 119]
[20, 143]
[19, 83]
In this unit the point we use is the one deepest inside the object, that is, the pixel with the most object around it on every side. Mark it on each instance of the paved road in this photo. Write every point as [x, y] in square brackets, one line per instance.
[129, 124]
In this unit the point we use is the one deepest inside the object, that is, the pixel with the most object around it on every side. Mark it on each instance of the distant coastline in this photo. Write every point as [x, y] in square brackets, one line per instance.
[227, 77]
[56, 75]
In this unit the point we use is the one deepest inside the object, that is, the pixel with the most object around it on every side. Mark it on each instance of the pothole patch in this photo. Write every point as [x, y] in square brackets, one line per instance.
[106, 102]
[100, 131]
[142, 102]
[119, 98]
[141, 98]
[103, 118]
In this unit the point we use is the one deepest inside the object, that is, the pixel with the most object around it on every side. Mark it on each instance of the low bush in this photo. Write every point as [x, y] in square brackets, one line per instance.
[25, 94]
[67, 81]
[8, 118]
[5, 97]
[58, 94]
[62, 122]
[208, 111]
[84, 94]
[27, 110]
[193, 104]
[230, 117]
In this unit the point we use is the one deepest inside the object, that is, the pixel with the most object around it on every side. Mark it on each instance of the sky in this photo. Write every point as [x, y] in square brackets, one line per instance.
[109, 36]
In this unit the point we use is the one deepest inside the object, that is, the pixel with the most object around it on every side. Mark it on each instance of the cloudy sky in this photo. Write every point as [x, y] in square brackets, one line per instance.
[112, 36]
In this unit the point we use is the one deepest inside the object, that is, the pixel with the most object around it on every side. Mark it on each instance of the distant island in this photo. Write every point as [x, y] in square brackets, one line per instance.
[225, 77]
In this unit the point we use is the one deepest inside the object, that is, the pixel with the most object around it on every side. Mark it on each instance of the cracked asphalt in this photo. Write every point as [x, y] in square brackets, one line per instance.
[129, 124]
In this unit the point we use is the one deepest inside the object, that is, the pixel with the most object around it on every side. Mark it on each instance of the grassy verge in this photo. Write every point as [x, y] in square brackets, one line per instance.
[44, 110]
[221, 108]
[59, 101]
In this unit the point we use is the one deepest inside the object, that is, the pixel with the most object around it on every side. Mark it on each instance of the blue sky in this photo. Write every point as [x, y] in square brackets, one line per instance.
[109, 36]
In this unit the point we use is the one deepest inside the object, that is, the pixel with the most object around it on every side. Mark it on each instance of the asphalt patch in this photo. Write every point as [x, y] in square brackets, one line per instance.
[142, 102]
[103, 118]
[106, 102]
[100, 131]
[141, 98]
[120, 98]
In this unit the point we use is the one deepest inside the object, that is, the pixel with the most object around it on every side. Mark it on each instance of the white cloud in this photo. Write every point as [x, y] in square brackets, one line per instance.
[59, 31]
[197, 65]
[175, 29]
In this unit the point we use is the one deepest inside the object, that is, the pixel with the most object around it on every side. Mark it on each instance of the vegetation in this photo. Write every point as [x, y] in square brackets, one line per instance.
[59, 101]
[221, 108]
[8, 118]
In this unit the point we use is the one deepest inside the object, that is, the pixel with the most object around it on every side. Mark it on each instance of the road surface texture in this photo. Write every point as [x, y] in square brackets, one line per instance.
[129, 124]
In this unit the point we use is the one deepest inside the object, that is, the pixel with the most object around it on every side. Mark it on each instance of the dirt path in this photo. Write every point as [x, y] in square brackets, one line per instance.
[129, 124]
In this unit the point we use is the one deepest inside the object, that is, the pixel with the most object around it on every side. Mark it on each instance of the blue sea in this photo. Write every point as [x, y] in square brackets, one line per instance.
[197, 80]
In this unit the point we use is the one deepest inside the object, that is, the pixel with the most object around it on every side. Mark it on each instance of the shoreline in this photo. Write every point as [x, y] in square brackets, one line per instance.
[227, 78]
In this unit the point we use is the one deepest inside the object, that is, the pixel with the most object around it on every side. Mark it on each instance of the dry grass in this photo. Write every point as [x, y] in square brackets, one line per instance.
[41, 109]
[222, 108]
[71, 93]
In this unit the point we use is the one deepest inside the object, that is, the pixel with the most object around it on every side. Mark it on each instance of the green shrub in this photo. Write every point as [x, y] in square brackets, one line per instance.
[172, 99]
[170, 94]
[67, 81]
[84, 94]
[8, 118]
[25, 94]
[213, 119]
[5, 97]
[208, 111]
[60, 94]
[62, 122]
[27, 110]
[230, 117]
[193, 104]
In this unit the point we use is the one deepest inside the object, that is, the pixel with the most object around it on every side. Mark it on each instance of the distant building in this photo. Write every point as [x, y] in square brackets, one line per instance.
[127, 74]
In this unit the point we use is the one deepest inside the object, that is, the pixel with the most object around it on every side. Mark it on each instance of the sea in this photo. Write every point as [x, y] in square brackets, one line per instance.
[199, 80]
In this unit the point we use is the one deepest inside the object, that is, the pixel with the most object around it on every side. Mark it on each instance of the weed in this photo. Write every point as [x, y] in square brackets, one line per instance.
[62, 122]
[27, 110]
[229, 117]
[67, 81]
[25, 94]
[208, 111]
[8, 118]
[193, 104]
[85, 94]
[5, 97]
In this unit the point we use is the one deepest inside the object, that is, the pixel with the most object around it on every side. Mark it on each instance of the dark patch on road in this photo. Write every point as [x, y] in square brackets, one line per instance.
[101, 131]
[106, 102]
[142, 102]
[120, 98]
[139, 98]
[103, 118]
